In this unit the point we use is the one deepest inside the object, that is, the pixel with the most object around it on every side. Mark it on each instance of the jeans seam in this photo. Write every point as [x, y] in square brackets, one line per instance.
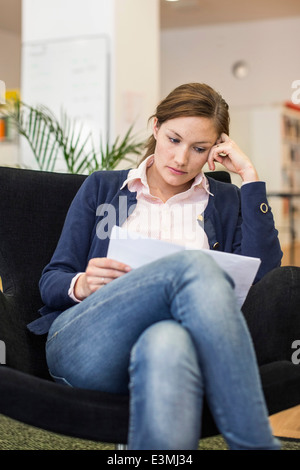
[131, 428]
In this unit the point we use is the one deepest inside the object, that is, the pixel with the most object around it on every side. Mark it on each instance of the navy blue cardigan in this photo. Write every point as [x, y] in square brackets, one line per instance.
[235, 221]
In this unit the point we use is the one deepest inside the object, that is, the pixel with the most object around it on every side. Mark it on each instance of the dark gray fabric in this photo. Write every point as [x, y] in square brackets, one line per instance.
[33, 206]
[272, 311]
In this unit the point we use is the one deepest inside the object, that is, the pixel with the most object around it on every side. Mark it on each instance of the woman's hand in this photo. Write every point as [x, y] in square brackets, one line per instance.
[232, 158]
[98, 273]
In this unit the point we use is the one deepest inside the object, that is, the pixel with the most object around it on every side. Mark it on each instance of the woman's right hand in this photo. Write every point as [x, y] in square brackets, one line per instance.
[98, 273]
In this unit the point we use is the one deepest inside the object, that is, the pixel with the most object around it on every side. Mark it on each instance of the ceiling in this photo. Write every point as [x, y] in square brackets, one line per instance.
[189, 13]
[185, 13]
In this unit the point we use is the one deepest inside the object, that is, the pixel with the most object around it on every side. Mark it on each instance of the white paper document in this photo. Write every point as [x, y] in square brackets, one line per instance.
[135, 250]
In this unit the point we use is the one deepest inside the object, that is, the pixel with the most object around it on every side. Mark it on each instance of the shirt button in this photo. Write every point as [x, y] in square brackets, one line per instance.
[263, 207]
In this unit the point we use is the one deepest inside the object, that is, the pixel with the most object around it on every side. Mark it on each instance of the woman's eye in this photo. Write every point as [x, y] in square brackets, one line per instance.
[200, 149]
[174, 140]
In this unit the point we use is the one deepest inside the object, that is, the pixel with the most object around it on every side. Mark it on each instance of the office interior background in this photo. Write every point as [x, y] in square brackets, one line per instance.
[109, 62]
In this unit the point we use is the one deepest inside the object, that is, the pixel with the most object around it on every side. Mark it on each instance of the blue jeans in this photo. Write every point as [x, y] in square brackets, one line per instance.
[168, 332]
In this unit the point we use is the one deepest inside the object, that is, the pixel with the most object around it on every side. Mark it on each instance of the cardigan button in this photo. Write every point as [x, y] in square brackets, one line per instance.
[264, 207]
[216, 246]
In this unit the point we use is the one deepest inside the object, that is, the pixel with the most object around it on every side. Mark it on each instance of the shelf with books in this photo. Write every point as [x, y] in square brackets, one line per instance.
[270, 136]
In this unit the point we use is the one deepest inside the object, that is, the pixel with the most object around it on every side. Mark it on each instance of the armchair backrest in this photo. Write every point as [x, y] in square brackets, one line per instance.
[33, 206]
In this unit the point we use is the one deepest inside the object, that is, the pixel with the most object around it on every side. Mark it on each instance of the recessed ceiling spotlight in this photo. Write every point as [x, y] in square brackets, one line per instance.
[172, 0]
[240, 69]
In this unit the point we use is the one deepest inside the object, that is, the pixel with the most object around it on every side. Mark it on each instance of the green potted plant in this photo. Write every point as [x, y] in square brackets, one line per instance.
[48, 137]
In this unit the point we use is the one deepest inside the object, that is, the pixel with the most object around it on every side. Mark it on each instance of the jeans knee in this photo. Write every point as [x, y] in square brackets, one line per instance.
[198, 263]
[191, 258]
[164, 345]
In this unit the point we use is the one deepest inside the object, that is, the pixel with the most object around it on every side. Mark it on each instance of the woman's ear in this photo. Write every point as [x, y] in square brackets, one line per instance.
[155, 127]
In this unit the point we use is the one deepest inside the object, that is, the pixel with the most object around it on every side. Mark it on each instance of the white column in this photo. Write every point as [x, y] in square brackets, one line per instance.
[136, 67]
[132, 30]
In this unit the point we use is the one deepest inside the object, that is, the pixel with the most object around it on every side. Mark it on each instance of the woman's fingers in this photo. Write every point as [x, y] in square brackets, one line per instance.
[99, 272]
[107, 268]
[232, 158]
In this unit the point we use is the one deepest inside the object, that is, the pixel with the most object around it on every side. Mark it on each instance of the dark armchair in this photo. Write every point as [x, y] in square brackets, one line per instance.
[33, 205]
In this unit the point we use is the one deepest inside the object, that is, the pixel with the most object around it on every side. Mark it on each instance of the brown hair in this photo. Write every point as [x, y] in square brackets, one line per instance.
[191, 99]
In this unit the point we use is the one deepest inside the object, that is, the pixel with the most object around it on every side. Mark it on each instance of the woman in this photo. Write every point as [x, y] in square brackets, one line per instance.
[170, 331]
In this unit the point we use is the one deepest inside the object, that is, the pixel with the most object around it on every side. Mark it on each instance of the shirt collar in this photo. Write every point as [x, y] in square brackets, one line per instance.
[140, 173]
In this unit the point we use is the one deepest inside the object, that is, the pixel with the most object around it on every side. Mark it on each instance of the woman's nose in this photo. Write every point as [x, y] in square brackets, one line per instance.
[181, 156]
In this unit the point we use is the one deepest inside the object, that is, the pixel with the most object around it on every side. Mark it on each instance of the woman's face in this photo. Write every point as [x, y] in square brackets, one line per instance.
[182, 148]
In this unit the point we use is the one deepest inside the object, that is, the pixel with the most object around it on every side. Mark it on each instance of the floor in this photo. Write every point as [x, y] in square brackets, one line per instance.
[286, 423]
[286, 260]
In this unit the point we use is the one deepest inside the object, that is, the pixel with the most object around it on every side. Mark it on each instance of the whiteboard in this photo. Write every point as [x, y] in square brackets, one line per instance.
[70, 75]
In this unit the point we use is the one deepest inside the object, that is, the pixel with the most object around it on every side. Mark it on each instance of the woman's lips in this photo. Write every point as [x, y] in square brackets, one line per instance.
[176, 172]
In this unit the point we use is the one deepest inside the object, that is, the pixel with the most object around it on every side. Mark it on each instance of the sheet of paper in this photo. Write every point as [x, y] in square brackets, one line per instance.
[133, 249]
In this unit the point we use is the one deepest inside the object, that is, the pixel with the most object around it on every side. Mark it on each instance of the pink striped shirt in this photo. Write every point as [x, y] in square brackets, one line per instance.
[178, 220]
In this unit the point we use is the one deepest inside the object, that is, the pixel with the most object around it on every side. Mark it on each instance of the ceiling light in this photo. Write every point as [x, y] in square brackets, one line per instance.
[240, 69]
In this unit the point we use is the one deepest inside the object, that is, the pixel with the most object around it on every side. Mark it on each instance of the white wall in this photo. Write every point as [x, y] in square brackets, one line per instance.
[207, 54]
[132, 30]
[134, 88]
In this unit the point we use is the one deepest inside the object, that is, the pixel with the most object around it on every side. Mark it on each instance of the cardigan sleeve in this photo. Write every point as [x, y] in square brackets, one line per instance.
[256, 234]
[71, 254]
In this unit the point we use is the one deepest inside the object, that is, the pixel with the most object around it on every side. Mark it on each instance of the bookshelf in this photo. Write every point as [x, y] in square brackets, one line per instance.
[270, 135]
